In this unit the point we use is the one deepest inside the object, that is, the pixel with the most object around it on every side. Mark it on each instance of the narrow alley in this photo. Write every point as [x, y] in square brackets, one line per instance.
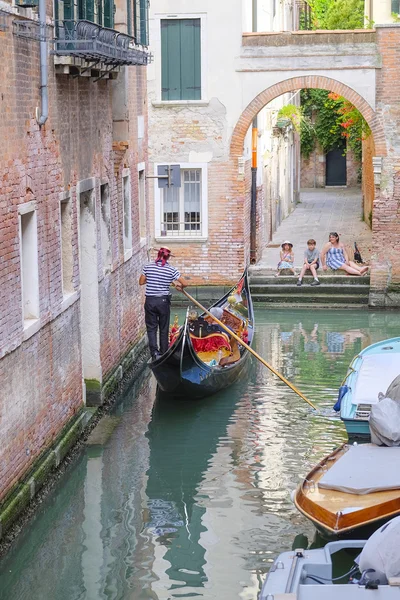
[319, 212]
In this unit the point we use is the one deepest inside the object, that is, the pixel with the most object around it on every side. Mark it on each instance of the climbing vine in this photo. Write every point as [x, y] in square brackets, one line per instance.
[336, 123]
[337, 14]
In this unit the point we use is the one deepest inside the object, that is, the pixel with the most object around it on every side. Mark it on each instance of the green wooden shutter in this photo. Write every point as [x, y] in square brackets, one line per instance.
[109, 13]
[144, 22]
[180, 59]
[90, 10]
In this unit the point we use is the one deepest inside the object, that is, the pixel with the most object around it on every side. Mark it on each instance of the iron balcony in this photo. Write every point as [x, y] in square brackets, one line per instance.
[94, 43]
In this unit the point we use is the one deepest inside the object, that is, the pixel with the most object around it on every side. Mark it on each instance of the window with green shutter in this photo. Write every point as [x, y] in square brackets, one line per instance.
[141, 21]
[97, 11]
[180, 59]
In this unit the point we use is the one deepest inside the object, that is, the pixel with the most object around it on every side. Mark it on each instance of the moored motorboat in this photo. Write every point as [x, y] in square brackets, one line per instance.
[301, 573]
[202, 360]
[354, 488]
[368, 377]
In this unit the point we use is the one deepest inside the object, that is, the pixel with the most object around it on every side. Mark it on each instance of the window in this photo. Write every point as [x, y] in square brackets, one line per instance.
[105, 227]
[183, 211]
[396, 6]
[97, 11]
[29, 264]
[66, 247]
[180, 59]
[142, 205]
[141, 22]
[126, 184]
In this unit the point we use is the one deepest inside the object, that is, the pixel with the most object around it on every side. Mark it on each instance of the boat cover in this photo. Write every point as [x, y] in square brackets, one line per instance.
[393, 390]
[377, 371]
[384, 423]
[381, 552]
[364, 469]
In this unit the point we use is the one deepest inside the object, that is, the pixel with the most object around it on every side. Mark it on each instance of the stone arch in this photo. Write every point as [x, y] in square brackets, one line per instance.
[297, 83]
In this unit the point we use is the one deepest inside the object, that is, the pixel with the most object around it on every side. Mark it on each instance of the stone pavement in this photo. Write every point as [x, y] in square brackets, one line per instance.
[320, 211]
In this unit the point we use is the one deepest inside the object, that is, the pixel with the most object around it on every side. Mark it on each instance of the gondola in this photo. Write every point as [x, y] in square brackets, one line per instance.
[202, 359]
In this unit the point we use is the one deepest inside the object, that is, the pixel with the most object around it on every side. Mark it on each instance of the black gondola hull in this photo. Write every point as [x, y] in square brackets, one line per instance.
[180, 372]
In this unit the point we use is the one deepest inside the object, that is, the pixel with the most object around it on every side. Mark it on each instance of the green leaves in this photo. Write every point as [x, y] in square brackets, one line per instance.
[337, 14]
[334, 119]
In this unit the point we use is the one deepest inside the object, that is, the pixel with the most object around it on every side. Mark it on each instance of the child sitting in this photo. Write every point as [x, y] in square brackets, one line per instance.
[311, 262]
[286, 258]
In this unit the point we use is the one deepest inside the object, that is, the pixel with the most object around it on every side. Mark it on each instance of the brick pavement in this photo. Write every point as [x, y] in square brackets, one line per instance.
[319, 212]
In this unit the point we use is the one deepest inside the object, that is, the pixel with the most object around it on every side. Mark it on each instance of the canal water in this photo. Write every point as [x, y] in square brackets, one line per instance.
[192, 500]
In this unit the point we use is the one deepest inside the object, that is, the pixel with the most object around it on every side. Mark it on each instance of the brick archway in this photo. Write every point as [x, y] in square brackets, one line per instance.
[297, 83]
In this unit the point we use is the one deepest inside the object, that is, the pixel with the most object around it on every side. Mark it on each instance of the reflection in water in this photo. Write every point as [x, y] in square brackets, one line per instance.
[193, 499]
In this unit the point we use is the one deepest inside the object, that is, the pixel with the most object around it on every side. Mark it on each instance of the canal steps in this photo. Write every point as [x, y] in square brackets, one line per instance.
[335, 290]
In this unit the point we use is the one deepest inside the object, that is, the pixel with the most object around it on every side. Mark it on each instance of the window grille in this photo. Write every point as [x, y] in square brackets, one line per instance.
[182, 206]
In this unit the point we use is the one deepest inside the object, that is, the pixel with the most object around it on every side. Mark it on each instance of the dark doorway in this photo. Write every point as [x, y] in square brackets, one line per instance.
[336, 167]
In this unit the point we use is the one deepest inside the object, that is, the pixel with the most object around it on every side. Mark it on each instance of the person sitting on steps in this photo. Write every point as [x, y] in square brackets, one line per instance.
[335, 257]
[311, 262]
[286, 258]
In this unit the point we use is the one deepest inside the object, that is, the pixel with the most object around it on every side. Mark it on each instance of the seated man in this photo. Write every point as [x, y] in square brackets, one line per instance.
[218, 313]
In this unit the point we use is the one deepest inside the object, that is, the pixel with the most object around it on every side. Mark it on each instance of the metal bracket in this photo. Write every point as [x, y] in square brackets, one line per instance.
[3, 20]
[86, 69]
[113, 66]
[32, 30]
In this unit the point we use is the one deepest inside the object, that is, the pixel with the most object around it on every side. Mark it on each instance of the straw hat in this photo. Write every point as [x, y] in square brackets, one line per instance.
[286, 242]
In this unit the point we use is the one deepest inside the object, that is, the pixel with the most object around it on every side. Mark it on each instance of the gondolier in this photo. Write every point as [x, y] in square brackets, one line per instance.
[158, 276]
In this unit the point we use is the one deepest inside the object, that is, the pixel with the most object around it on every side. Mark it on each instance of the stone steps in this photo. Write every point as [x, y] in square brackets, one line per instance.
[335, 290]
[310, 299]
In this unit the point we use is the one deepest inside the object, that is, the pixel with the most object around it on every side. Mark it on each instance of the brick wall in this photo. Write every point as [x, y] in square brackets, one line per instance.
[41, 389]
[41, 374]
[179, 135]
[385, 276]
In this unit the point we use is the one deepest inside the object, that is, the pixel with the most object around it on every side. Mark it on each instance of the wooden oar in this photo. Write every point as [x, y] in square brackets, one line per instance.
[253, 352]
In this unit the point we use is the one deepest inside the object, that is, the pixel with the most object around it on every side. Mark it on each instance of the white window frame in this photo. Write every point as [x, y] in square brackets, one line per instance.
[156, 36]
[105, 240]
[203, 236]
[65, 199]
[141, 167]
[126, 174]
[31, 324]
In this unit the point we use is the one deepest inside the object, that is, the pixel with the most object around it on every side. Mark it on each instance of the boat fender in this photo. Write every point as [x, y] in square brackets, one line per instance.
[342, 392]
[293, 495]
[381, 552]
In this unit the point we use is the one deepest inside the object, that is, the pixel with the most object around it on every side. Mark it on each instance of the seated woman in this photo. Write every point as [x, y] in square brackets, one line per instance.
[335, 257]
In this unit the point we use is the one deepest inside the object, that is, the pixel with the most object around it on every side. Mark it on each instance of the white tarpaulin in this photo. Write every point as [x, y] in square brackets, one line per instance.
[382, 551]
[374, 376]
[384, 420]
[364, 469]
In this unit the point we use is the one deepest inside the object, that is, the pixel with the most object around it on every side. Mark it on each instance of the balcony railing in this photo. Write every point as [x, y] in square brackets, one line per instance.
[94, 43]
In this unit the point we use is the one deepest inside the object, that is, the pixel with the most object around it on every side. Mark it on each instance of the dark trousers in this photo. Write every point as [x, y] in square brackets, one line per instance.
[157, 311]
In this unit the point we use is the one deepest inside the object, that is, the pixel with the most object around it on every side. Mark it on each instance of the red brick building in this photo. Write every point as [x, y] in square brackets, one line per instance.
[73, 219]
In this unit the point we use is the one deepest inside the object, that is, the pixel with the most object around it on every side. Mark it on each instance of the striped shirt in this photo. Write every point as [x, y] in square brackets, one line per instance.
[159, 278]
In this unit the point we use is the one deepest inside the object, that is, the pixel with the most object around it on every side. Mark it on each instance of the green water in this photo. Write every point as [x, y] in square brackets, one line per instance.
[192, 500]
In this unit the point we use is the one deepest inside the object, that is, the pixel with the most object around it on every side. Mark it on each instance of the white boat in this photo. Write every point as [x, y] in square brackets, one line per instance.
[369, 375]
[308, 574]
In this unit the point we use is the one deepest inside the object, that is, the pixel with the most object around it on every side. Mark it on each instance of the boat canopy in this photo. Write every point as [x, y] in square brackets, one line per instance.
[364, 469]
[376, 373]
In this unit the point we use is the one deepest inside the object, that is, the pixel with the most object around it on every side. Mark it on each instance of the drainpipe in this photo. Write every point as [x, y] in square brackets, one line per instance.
[254, 15]
[254, 136]
[44, 92]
